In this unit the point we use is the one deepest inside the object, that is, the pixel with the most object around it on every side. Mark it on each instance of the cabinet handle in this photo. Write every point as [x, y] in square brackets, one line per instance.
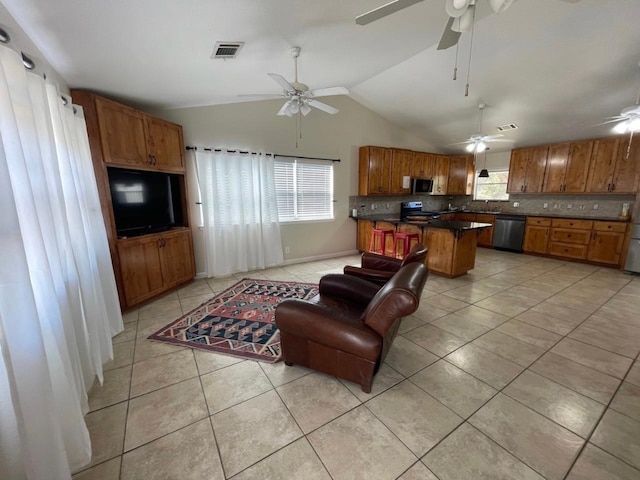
[613, 187]
[608, 187]
[150, 159]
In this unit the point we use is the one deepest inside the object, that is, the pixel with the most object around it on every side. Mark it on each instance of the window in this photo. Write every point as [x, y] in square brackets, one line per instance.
[493, 187]
[304, 190]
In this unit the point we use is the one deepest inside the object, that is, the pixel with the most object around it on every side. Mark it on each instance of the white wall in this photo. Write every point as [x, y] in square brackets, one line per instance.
[495, 161]
[255, 126]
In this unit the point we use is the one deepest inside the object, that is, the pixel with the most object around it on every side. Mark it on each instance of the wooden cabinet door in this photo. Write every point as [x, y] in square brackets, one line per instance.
[457, 181]
[625, 177]
[578, 162]
[535, 239]
[605, 247]
[603, 164]
[140, 268]
[440, 175]
[176, 257]
[165, 145]
[535, 169]
[375, 170]
[364, 235]
[485, 236]
[423, 165]
[471, 174]
[123, 134]
[401, 161]
[557, 159]
[518, 170]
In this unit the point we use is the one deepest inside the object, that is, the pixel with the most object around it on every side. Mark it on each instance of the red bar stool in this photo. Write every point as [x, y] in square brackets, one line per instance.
[381, 235]
[405, 239]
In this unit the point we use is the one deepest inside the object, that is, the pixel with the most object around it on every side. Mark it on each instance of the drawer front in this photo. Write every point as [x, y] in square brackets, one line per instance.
[541, 222]
[568, 235]
[568, 250]
[566, 223]
[610, 227]
[483, 218]
[465, 217]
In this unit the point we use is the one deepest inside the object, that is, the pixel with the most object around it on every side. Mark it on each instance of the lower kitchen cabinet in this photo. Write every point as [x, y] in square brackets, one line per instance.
[485, 236]
[569, 238]
[151, 264]
[536, 235]
[607, 240]
[364, 235]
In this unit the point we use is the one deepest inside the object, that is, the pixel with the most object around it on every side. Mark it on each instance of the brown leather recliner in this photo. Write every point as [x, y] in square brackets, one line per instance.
[379, 268]
[347, 329]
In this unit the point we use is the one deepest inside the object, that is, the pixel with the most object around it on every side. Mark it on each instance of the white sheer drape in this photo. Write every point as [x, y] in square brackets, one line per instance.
[240, 212]
[58, 300]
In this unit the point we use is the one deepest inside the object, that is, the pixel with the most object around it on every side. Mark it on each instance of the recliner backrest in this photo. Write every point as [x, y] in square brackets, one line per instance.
[417, 254]
[399, 297]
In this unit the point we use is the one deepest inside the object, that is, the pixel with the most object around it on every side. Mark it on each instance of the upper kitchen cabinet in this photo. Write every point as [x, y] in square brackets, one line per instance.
[440, 174]
[526, 170]
[567, 167]
[423, 164]
[131, 138]
[374, 171]
[614, 167]
[165, 144]
[401, 163]
[458, 175]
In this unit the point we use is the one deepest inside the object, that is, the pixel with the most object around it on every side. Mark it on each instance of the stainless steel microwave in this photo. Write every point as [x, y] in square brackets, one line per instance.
[421, 185]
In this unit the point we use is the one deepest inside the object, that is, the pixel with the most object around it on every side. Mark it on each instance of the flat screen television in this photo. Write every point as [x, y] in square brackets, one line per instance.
[144, 202]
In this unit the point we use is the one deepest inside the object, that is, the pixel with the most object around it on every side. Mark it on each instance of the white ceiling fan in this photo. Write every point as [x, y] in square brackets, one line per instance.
[461, 16]
[299, 98]
[629, 119]
[477, 143]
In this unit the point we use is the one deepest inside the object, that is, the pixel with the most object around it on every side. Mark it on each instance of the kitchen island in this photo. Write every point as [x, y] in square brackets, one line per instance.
[452, 244]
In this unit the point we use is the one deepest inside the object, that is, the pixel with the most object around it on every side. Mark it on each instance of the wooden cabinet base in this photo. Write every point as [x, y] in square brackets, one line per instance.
[449, 254]
[153, 264]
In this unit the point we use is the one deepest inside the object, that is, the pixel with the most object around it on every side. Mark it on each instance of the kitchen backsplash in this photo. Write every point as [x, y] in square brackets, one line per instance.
[576, 206]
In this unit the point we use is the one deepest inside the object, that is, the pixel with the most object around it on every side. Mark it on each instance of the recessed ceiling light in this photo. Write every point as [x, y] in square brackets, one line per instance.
[4, 36]
[27, 62]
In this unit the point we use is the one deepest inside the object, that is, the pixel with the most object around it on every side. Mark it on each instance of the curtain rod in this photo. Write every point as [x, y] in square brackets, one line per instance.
[209, 149]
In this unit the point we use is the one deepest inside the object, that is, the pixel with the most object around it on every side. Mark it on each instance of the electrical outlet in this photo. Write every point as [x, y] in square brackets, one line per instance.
[569, 206]
[555, 206]
[595, 206]
[545, 205]
[373, 206]
[388, 205]
[516, 204]
[287, 249]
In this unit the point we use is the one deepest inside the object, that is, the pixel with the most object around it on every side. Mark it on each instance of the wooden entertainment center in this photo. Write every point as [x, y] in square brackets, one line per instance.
[147, 265]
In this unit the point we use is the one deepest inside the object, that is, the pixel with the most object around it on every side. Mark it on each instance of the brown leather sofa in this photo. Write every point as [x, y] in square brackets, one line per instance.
[379, 268]
[347, 329]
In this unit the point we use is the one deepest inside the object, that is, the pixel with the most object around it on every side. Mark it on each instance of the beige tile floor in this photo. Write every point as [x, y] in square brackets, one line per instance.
[526, 368]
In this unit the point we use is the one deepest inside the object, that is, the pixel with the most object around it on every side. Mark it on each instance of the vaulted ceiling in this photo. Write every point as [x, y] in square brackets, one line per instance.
[554, 68]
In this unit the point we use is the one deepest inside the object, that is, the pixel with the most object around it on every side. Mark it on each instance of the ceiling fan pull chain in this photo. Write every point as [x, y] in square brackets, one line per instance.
[473, 24]
[455, 67]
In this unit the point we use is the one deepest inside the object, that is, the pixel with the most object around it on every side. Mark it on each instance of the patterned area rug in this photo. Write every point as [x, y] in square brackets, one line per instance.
[239, 321]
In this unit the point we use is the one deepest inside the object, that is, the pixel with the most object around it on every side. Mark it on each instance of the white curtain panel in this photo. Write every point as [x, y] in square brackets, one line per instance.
[240, 212]
[58, 298]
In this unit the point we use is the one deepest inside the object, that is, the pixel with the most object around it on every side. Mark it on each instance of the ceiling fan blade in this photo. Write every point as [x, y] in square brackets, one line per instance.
[499, 140]
[490, 138]
[284, 110]
[261, 95]
[449, 37]
[384, 10]
[325, 92]
[466, 142]
[282, 82]
[323, 106]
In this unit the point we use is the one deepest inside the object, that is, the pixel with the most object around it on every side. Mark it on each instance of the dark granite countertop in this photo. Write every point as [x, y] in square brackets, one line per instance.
[396, 219]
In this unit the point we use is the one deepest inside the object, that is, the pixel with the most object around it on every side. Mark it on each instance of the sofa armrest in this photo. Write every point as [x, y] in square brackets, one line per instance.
[326, 326]
[379, 277]
[374, 261]
[348, 287]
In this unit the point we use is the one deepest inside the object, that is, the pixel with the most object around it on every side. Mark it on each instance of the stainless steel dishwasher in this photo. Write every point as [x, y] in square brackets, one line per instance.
[508, 232]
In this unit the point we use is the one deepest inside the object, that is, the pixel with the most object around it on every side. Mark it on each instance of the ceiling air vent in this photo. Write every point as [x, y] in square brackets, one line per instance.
[226, 49]
[508, 126]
